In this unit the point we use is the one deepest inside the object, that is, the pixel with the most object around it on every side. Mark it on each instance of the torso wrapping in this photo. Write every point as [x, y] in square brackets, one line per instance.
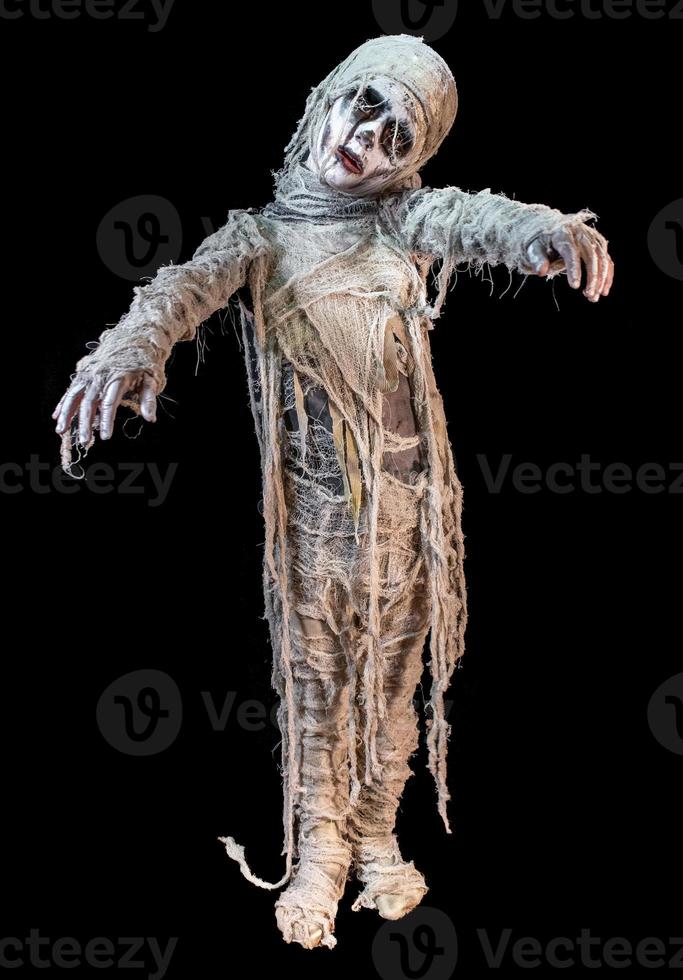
[361, 498]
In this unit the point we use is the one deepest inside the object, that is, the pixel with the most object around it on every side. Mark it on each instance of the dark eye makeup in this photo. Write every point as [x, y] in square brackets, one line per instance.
[369, 102]
[397, 139]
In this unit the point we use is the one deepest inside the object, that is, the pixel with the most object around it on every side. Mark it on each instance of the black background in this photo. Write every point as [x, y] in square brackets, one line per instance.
[566, 810]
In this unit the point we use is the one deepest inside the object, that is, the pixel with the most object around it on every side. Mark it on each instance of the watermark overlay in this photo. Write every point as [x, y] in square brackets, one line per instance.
[130, 952]
[141, 713]
[140, 234]
[153, 14]
[585, 950]
[425, 945]
[430, 19]
[665, 714]
[583, 9]
[433, 19]
[124, 479]
[421, 946]
[665, 240]
[584, 475]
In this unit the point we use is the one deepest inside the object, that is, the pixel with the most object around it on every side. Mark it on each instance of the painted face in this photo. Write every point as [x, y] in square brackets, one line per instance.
[368, 136]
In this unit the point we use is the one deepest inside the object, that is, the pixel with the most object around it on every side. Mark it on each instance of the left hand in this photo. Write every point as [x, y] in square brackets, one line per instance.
[567, 248]
[94, 397]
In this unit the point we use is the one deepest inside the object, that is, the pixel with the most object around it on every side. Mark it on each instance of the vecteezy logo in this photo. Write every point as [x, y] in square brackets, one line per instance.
[665, 239]
[665, 714]
[421, 946]
[140, 713]
[430, 19]
[138, 235]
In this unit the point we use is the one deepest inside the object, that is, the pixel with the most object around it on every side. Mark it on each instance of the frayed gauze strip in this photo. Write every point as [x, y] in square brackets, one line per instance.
[351, 266]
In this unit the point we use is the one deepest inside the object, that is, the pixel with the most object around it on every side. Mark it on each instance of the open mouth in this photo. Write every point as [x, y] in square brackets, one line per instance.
[349, 159]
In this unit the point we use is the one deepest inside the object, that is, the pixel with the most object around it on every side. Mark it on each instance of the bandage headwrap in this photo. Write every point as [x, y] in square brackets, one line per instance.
[403, 58]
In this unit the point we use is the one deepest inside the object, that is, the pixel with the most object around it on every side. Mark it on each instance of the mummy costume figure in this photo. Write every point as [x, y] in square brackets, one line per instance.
[363, 553]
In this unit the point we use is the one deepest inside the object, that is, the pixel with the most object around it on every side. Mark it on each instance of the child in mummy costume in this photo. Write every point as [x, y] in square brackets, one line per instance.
[362, 505]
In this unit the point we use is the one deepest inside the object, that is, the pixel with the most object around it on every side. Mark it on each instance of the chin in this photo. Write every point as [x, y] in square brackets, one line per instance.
[360, 185]
[338, 177]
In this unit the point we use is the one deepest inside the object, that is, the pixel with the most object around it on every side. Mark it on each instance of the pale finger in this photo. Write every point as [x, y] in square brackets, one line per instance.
[73, 397]
[566, 246]
[148, 400]
[87, 413]
[592, 262]
[113, 395]
[604, 265]
[539, 259]
[600, 246]
[58, 407]
[607, 264]
[61, 401]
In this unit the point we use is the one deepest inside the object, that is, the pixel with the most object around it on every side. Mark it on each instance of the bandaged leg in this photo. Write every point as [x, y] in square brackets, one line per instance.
[391, 885]
[306, 910]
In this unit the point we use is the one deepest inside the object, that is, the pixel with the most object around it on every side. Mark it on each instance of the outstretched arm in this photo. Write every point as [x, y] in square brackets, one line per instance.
[130, 358]
[456, 227]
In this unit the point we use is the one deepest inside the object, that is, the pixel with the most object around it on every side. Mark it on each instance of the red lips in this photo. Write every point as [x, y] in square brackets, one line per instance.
[350, 160]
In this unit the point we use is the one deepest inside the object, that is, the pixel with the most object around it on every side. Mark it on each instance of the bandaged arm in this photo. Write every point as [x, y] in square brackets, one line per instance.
[457, 227]
[176, 302]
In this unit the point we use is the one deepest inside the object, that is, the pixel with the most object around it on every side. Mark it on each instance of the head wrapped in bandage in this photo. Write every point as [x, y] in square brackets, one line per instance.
[376, 119]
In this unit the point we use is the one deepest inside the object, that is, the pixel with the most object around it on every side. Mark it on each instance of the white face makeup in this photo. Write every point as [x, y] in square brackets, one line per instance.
[368, 136]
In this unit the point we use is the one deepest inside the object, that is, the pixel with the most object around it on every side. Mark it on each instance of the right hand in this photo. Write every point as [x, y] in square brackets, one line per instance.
[89, 394]
[574, 244]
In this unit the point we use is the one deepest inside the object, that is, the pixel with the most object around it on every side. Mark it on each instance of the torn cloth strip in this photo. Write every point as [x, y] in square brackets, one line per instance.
[325, 307]
[325, 304]
[336, 285]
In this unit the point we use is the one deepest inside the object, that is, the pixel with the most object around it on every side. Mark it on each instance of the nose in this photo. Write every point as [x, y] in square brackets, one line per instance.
[366, 136]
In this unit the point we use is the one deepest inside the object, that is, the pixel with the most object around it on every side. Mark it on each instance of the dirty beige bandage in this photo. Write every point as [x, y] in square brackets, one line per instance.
[360, 514]
[167, 311]
[320, 675]
[405, 619]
